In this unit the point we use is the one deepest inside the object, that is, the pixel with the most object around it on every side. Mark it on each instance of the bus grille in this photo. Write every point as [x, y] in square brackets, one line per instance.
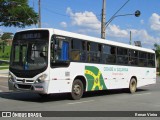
[26, 81]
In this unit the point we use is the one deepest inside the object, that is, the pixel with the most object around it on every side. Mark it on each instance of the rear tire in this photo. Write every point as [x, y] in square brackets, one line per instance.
[132, 85]
[77, 90]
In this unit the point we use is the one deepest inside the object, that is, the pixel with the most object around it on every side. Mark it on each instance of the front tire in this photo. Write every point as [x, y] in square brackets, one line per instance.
[77, 89]
[132, 85]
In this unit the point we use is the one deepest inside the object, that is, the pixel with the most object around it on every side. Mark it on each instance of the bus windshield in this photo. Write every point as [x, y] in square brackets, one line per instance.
[29, 51]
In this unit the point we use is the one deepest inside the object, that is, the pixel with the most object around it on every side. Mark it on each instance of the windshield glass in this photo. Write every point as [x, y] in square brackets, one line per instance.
[30, 50]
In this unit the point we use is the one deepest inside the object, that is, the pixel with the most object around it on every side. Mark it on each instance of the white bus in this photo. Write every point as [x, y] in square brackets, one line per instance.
[48, 61]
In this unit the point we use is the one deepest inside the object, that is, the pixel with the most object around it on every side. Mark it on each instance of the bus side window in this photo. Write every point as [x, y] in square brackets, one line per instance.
[83, 51]
[113, 50]
[99, 50]
[99, 53]
[142, 59]
[75, 49]
[133, 57]
[151, 60]
[88, 46]
[57, 50]
[88, 52]
[92, 49]
[122, 55]
[52, 50]
[113, 54]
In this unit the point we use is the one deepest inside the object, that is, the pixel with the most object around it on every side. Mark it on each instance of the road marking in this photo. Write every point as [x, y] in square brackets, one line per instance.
[80, 102]
[143, 94]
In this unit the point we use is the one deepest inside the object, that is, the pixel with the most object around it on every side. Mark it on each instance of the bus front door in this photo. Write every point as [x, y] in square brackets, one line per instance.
[65, 50]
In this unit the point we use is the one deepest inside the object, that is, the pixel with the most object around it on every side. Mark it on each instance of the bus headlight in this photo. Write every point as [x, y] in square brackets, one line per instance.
[11, 77]
[41, 79]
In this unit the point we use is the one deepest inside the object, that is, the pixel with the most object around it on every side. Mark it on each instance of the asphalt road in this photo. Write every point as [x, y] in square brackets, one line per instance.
[145, 99]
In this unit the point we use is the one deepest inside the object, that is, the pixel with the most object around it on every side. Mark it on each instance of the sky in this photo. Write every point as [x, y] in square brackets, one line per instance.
[84, 17]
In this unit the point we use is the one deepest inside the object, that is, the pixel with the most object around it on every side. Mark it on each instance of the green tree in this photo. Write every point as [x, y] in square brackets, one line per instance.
[157, 50]
[4, 39]
[6, 36]
[17, 13]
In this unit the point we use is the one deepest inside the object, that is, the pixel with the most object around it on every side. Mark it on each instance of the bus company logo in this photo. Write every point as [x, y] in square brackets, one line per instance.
[24, 81]
[6, 114]
[94, 78]
[21, 114]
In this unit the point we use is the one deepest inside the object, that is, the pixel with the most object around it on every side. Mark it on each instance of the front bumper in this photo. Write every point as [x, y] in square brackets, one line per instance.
[35, 87]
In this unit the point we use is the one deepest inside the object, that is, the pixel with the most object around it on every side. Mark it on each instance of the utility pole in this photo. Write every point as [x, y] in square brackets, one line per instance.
[39, 11]
[130, 42]
[103, 20]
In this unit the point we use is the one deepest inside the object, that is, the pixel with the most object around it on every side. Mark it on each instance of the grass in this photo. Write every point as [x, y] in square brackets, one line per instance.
[3, 68]
[6, 54]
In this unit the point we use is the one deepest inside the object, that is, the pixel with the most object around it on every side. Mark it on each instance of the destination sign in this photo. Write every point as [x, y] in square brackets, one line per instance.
[33, 34]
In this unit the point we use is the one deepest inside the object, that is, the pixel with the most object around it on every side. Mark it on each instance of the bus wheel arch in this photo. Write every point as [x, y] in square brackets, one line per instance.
[78, 87]
[82, 78]
[133, 84]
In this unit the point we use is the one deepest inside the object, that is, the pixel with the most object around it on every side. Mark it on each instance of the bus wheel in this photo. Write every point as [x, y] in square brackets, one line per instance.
[77, 90]
[132, 85]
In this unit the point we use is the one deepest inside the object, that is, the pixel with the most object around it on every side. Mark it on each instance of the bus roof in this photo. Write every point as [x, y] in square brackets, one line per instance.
[93, 39]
